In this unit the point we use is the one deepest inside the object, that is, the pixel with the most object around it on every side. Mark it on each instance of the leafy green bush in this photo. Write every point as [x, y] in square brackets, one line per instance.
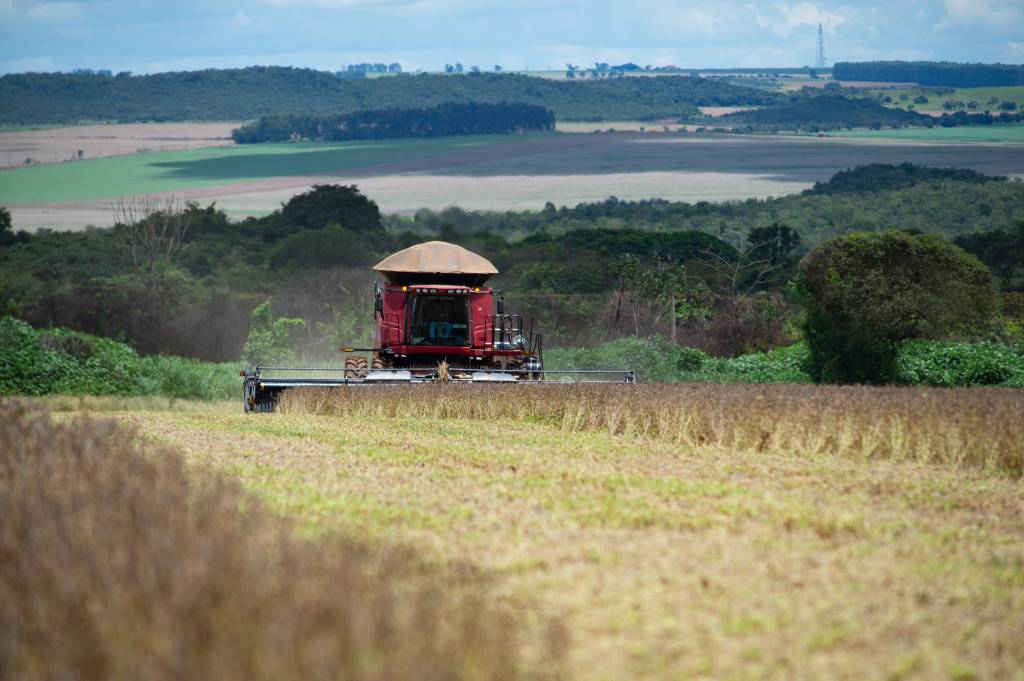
[656, 360]
[62, 361]
[867, 292]
[186, 378]
[59, 361]
[651, 358]
[781, 365]
[949, 364]
[918, 362]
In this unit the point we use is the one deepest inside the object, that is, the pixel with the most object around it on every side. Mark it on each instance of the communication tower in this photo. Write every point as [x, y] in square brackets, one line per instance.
[819, 61]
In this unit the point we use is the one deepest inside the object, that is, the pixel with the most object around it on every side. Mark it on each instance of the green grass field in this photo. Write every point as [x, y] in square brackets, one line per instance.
[994, 134]
[978, 94]
[176, 171]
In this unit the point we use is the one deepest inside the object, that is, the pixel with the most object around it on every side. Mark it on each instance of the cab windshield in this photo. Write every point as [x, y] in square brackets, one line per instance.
[439, 320]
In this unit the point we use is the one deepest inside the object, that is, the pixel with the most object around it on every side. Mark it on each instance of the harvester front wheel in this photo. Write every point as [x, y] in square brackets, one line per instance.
[355, 366]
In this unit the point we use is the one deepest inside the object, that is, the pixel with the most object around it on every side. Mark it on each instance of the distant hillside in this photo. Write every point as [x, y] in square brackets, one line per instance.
[260, 91]
[826, 112]
[931, 73]
[884, 177]
[444, 120]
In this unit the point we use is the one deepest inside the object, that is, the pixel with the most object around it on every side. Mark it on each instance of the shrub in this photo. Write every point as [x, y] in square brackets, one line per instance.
[59, 361]
[957, 364]
[866, 292]
[62, 361]
[781, 365]
[189, 379]
[321, 249]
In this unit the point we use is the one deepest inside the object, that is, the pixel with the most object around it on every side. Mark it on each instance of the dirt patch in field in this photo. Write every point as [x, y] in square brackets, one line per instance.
[408, 193]
[715, 111]
[858, 84]
[56, 145]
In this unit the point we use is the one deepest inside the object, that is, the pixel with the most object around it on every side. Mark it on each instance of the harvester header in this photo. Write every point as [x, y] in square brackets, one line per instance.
[435, 321]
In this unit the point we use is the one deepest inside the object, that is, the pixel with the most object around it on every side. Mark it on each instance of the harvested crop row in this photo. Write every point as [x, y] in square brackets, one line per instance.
[117, 563]
[978, 427]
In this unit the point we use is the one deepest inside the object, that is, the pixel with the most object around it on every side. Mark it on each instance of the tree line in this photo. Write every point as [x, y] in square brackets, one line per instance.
[454, 118]
[249, 93]
[185, 280]
[872, 198]
[931, 73]
[829, 111]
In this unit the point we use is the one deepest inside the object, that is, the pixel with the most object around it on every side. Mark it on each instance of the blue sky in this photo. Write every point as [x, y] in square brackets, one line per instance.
[146, 37]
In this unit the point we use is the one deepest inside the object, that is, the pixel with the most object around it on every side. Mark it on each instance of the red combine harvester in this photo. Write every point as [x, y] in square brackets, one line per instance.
[436, 322]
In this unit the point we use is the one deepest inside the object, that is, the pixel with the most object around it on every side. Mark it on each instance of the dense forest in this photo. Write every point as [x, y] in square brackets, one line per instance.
[830, 111]
[469, 118]
[245, 94]
[931, 73]
[590, 273]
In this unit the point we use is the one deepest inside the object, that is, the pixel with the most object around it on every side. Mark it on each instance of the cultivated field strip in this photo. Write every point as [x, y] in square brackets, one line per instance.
[979, 427]
[668, 557]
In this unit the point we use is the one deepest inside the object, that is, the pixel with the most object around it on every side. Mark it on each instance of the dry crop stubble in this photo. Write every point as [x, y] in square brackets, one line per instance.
[977, 427]
[664, 560]
[116, 562]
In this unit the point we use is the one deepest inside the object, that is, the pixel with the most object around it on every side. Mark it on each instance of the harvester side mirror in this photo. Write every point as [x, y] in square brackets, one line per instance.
[500, 305]
[378, 298]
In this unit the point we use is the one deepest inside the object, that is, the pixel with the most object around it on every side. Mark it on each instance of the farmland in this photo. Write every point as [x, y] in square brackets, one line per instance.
[1001, 134]
[59, 144]
[486, 173]
[982, 95]
[673, 532]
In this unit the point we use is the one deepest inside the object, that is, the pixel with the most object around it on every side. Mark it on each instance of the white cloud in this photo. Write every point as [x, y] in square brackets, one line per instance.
[30, 11]
[981, 13]
[694, 20]
[808, 14]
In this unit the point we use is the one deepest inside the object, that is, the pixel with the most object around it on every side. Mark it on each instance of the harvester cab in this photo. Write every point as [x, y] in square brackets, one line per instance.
[435, 320]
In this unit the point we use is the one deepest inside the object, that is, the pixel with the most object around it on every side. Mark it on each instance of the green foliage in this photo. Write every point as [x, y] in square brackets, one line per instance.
[859, 201]
[781, 365]
[1002, 250]
[651, 358]
[656, 360]
[272, 340]
[917, 362]
[243, 94]
[59, 361]
[930, 73]
[321, 249]
[186, 378]
[828, 111]
[885, 177]
[865, 292]
[454, 118]
[949, 364]
[331, 204]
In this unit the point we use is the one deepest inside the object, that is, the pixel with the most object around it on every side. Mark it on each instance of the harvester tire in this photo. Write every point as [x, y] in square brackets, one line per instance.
[377, 363]
[355, 366]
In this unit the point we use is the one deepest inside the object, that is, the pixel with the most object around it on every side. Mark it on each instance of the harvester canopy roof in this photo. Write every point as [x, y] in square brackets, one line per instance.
[436, 261]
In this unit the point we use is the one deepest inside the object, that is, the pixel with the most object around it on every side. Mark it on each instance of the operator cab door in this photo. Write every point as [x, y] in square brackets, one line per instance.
[481, 304]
